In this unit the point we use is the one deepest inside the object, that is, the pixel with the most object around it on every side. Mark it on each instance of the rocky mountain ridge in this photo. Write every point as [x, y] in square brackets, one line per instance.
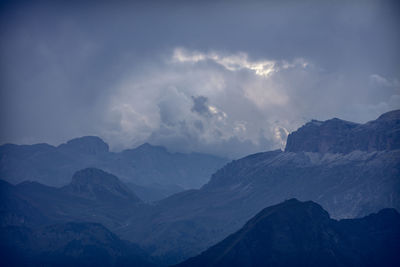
[339, 136]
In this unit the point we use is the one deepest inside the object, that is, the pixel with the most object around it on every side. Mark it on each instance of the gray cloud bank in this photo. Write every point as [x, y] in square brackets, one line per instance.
[223, 78]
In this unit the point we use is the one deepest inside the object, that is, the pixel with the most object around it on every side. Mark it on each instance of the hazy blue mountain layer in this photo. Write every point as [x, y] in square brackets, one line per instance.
[296, 233]
[151, 171]
[92, 196]
[349, 184]
[68, 244]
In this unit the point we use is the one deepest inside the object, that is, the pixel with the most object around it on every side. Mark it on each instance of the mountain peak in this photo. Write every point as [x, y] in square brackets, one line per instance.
[87, 145]
[340, 136]
[295, 233]
[97, 184]
[391, 115]
[149, 147]
[290, 209]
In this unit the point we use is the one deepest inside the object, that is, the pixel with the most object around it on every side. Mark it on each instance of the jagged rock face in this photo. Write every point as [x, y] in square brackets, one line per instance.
[91, 145]
[297, 233]
[96, 184]
[338, 136]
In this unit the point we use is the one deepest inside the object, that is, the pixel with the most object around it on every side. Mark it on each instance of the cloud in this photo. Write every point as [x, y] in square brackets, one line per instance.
[378, 80]
[191, 104]
[233, 62]
[219, 103]
[200, 105]
[232, 84]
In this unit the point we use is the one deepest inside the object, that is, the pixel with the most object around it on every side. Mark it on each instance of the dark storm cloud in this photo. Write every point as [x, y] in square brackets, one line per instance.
[200, 105]
[222, 77]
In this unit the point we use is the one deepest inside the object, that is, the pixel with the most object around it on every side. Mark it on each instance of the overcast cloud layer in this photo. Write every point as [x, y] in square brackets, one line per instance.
[228, 78]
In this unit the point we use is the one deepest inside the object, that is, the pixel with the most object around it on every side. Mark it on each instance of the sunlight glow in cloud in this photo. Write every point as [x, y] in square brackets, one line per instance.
[234, 62]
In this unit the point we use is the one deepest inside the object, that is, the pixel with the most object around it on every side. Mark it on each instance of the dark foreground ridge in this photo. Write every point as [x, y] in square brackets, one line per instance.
[68, 244]
[296, 233]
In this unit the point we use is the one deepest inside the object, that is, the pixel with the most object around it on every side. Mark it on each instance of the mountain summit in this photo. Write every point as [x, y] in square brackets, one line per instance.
[339, 136]
[91, 145]
[296, 233]
[96, 184]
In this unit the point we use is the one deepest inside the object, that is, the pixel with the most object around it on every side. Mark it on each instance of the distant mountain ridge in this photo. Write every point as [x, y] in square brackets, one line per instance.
[295, 233]
[151, 171]
[339, 136]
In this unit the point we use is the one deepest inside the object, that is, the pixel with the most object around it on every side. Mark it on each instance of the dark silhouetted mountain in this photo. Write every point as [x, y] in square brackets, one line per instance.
[347, 185]
[98, 185]
[69, 244]
[297, 233]
[339, 136]
[153, 170]
[15, 211]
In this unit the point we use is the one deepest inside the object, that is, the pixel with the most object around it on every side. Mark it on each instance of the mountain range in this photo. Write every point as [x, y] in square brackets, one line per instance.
[150, 171]
[347, 183]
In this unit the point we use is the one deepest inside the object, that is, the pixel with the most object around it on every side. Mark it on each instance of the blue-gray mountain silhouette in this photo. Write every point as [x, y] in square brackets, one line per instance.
[150, 171]
[68, 244]
[348, 184]
[98, 185]
[92, 195]
[296, 233]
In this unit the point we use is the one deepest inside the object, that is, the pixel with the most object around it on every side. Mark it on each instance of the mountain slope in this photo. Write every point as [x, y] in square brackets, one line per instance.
[92, 195]
[347, 185]
[297, 233]
[15, 211]
[68, 244]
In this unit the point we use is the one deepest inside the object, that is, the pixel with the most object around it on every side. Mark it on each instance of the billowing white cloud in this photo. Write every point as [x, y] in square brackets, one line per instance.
[116, 73]
[226, 104]
[190, 103]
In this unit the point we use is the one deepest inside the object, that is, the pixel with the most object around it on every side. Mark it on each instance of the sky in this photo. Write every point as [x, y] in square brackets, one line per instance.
[228, 78]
